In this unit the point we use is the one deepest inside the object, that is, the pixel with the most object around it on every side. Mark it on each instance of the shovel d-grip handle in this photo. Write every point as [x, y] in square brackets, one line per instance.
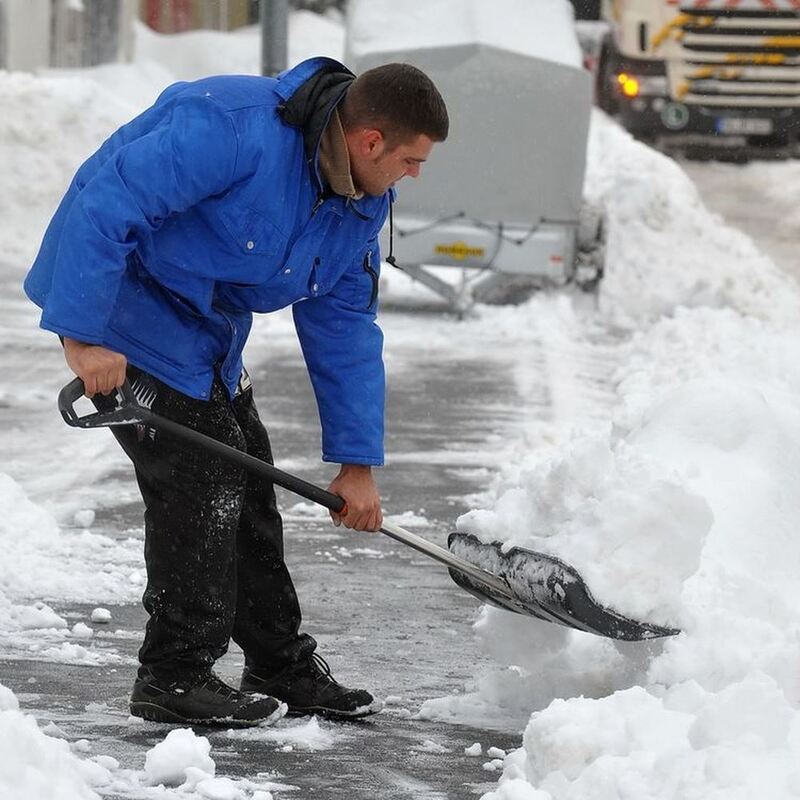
[126, 412]
[129, 411]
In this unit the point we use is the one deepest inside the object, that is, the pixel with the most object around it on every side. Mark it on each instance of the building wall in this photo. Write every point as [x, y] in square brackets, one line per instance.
[35, 34]
[174, 16]
[24, 34]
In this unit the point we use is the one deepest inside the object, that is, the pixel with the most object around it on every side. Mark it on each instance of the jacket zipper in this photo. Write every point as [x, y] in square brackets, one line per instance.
[368, 268]
[317, 203]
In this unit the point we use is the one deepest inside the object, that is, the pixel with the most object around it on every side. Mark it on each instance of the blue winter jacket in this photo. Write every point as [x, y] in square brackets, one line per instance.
[210, 206]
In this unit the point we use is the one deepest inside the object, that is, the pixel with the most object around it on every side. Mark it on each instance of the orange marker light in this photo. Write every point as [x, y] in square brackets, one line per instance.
[630, 88]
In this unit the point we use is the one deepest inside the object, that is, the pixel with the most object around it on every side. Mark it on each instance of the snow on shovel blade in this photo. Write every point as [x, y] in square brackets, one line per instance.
[545, 587]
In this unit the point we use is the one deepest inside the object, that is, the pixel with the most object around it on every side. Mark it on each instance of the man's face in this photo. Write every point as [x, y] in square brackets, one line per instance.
[376, 167]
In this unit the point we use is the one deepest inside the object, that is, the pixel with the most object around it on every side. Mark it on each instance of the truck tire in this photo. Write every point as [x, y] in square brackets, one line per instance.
[605, 90]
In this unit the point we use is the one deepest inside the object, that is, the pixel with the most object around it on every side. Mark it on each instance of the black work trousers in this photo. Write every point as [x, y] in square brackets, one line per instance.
[213, 539]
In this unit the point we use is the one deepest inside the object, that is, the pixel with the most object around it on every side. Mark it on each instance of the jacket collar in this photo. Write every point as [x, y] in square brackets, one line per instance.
[310, 93]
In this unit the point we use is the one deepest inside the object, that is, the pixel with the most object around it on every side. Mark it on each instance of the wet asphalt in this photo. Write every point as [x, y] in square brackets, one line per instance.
[385, 616]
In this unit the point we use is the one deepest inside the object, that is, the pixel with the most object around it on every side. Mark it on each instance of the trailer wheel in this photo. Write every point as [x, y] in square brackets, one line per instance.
[591, 247]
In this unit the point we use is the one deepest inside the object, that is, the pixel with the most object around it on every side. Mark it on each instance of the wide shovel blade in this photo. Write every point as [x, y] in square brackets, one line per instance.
[543, 586]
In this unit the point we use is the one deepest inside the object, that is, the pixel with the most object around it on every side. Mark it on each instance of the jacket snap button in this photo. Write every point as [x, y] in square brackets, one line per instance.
[287, 270]
[315, 287]
[251, 244]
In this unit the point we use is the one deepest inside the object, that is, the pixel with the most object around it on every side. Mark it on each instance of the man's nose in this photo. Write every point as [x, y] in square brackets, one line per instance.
[413, 171]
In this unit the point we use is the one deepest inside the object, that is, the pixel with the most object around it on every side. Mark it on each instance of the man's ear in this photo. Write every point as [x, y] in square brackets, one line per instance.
[372, 142]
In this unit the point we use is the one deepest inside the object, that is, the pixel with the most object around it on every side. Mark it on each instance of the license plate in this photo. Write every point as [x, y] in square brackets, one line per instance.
[742, 5]
[757, 126]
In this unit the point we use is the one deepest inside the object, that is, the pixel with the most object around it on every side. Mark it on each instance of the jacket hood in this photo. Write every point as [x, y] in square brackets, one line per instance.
[311, 91]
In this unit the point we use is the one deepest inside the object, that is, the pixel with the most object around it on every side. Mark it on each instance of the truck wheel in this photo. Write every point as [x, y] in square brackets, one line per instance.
[605, 90]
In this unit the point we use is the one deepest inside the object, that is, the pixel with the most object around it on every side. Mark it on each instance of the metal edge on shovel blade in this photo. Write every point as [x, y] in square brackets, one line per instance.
[546, 588]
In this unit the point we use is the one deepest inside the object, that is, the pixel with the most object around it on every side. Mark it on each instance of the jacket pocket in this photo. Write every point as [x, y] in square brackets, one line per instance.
[253, 233]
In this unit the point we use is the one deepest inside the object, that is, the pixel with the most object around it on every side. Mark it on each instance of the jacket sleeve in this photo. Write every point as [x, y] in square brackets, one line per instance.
[343, 348]
[191, 154]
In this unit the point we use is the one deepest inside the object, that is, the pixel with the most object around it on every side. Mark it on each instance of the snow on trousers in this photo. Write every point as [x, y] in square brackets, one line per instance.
[213, 540]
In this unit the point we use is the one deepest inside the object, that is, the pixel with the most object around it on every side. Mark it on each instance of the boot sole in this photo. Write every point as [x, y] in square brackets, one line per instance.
[335, 714]
[155, 713]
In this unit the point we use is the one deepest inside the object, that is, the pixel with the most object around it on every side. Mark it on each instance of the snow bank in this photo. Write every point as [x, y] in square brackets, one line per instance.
[195, 54]
[48, 127]
[544, 29]
[42, 560]
[665, 249]
[680, 509]
[34, 765]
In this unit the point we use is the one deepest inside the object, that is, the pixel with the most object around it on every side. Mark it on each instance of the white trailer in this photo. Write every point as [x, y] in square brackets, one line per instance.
[502, 199]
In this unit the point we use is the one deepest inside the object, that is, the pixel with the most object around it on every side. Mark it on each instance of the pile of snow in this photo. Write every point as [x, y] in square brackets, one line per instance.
[665, 249]
[181, 766]
[43, 560]
[48, 127]
[195, 54]
[544, 29]
[680, 509]
[36, 765]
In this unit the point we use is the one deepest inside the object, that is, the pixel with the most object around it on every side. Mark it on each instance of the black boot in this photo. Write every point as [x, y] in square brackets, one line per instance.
[203, 701]
[308, 687]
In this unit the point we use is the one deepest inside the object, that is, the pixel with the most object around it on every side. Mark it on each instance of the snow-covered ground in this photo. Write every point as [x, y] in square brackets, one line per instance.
[672, 487]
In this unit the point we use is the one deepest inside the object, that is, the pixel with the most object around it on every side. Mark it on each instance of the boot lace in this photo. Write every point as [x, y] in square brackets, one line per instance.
[214, 684]
[320, 669]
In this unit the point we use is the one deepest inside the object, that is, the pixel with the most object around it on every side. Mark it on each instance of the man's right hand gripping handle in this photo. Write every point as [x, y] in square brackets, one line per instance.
[100, 369]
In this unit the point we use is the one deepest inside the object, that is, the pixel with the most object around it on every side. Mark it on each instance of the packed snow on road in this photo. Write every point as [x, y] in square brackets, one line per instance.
[672, 488]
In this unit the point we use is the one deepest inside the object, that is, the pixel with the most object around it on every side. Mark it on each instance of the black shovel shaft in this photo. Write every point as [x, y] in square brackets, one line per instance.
[130, 412]
[255, 465]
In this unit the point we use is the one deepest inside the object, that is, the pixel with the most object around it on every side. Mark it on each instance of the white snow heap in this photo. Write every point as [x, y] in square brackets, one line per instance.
[178, 758]
[681, 510]
[48, 127]
[34, 765]
[665, 249]
[42, 560]
[542, 29]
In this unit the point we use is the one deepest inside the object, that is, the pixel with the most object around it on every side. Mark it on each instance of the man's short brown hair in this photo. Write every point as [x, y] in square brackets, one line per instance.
[400, 101]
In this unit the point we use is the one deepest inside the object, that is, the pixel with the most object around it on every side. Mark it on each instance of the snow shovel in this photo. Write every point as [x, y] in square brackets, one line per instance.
[520, 580]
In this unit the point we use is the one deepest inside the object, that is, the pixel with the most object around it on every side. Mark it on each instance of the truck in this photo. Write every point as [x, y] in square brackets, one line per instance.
[712, 77]
[499, 211]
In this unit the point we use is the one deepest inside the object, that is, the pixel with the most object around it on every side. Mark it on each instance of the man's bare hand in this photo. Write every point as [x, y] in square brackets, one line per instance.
[356, 486]
[100, 369]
